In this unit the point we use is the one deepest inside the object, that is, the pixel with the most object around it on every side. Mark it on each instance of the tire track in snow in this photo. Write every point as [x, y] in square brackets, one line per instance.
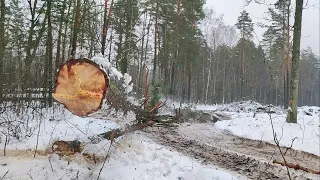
[250, 158]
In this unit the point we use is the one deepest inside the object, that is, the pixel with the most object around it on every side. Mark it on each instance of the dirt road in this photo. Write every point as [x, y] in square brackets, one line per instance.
[250, 158]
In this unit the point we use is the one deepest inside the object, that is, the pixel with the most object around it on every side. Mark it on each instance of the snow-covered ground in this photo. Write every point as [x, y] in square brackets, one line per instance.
[246, 121]
[135, 156]
[305, 135]
[132, 156]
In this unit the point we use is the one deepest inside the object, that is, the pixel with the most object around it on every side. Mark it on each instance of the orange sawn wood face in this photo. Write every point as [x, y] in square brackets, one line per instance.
[81, 86]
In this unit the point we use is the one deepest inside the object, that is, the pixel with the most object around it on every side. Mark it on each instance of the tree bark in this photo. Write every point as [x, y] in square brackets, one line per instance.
[76, 27]
[58, 55]
[293, 102]
[155, 44]
[49, 56]
[242, 68]
[2, 44]
[208, 79]
[32, 44]
[288, 56]
[176, 51]
[64, 41]
[28, 48]
[106, 21]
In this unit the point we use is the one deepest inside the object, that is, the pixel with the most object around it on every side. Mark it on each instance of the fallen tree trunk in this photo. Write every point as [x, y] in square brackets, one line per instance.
[296, 167]
[143, 120]
[71, 147]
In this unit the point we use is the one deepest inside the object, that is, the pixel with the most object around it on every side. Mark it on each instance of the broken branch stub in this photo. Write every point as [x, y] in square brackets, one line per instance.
[81, 86]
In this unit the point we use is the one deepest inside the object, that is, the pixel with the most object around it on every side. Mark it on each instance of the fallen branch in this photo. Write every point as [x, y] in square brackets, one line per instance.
[117, 133]
[296, 167]
[155, 107]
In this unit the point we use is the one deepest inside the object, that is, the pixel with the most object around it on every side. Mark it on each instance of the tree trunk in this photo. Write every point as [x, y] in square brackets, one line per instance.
[176, 51]
[224, 92]
[284, 59]
[293, 102]
[58, 55]
[32, 46]
[2, 45]
[208, 80]
[64, 41]
[105, 28]
[106, 21]
[155, 45]
[28, 59]
[288, 57]
[242, 69]
[110, 45]
[49, 55]
[76, 27]
[189, 83]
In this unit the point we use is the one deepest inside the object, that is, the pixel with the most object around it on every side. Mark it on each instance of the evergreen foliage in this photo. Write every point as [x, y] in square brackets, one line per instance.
[189, 50]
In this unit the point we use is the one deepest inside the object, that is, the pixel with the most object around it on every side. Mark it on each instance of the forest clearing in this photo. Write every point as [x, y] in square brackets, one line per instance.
[165, 90]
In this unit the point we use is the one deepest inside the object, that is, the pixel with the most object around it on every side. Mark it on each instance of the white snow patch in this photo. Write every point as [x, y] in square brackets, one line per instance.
[100, 60]
[133, 156]
[306, 133]
[114, 72]
[248, 121]
[127, 80]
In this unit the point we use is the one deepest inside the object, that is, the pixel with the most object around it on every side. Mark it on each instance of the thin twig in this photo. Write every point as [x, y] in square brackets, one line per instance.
[5, 145]
[112, 136]
[290, 146]
[278, 146]
[50, 163]
[4, 175]
[38, 134]
[29, 174]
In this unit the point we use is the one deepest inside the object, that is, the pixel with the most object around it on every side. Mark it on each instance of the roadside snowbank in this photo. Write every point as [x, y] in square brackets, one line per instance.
[248, 122]
[251, 120]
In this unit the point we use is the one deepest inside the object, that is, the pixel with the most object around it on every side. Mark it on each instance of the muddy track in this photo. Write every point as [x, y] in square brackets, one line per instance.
[250, 158]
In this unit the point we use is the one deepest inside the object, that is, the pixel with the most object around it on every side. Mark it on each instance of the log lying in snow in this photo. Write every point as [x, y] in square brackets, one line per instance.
[144, 119]
[66, 147]
[296, 167]
[71, 147]
[220, 117]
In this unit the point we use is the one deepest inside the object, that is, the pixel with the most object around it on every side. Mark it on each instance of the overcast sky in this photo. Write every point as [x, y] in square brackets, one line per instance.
[310, 22]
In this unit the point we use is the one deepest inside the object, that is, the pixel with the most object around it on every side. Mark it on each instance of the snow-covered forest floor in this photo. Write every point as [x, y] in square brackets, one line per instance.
[225, 150]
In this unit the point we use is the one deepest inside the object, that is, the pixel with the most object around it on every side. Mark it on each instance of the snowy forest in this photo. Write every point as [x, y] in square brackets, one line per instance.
[192, 55]
[157, 89]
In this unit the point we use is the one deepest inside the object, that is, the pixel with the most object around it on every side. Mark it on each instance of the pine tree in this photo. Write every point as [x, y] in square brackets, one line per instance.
[76, 29]
[308, 78]
[277, 40]
[49, 55]
[2, 44]
[61, 19]
[125, 18]
[245, 26]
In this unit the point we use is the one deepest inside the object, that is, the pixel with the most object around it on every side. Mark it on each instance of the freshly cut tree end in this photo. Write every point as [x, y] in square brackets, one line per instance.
[81, 86]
